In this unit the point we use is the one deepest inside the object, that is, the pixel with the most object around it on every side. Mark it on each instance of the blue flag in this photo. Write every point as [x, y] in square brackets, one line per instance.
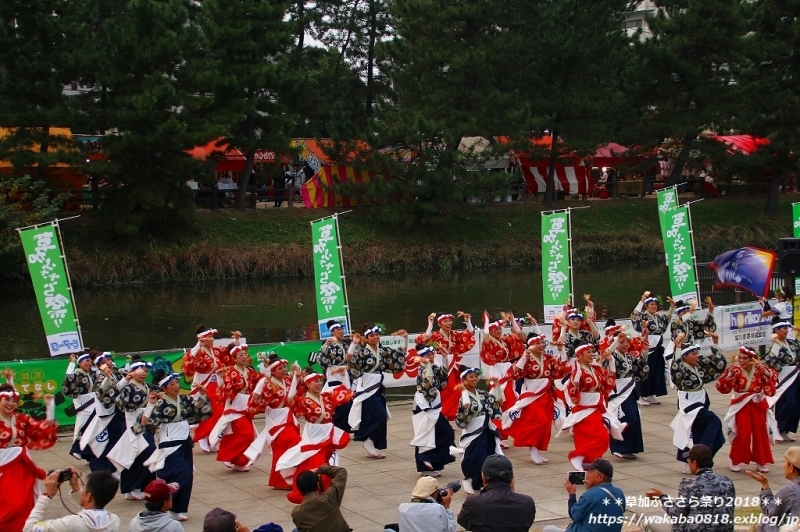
[748, 268]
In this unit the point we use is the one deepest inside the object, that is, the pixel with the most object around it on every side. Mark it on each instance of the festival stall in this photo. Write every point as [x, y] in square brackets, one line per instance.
[320, 190]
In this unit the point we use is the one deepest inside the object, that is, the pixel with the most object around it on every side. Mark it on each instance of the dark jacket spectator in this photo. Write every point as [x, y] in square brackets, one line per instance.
[497, 508]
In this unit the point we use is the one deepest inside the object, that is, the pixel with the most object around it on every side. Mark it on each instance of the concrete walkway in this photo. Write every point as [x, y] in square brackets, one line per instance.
[376, 487]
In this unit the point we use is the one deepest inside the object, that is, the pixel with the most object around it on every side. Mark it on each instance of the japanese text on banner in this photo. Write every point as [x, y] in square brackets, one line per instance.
[51, 285]
[331, 303]
[556, 262]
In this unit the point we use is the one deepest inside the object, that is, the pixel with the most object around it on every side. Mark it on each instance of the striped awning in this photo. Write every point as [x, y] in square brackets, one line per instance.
[573, 180]
[320, 191]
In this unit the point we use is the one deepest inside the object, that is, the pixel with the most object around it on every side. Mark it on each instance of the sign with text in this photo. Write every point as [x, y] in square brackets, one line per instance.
[679, 249]
[796, 220]
[743, 324]
[556, 263]
[328, 278]
[51, 284]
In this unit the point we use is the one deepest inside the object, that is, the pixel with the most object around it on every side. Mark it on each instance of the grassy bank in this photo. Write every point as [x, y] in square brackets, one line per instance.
[277, 242]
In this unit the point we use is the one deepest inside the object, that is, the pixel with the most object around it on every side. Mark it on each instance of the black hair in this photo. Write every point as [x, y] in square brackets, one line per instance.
[200, 328]
[788, 291]
[610, 322]
[680, 303]
[306, 482]
[331, 323]
[420, 347]
[136, 358]
[708, 463]
[6, 388]
[102, 487]
[155, 506]
[157, 376]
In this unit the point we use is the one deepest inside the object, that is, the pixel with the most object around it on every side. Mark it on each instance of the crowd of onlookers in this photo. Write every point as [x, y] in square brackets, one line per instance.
[704, 502]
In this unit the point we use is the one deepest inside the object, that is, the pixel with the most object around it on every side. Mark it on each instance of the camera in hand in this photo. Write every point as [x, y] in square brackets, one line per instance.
[64, 476]
[454, 486]
[576, 477]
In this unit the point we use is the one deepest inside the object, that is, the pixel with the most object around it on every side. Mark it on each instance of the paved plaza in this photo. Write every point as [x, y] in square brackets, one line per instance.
[376, 487]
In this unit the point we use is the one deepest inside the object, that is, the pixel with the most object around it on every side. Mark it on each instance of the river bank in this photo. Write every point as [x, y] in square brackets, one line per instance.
[276, 243]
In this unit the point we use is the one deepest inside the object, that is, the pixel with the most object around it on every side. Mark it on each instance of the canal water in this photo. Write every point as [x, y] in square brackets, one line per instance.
[152, 317]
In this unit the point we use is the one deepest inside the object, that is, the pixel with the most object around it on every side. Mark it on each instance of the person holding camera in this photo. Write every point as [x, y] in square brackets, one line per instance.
[498, 508]
[320, 510]
[20, 433]
[98, 491]
[601, 508]
[429, 509]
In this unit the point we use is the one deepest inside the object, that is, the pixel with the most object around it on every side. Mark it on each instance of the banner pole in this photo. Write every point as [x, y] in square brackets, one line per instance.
[344, 277]
[34, 226]
[69, 282]
[331, 216]
[571, 273]
[694, 258]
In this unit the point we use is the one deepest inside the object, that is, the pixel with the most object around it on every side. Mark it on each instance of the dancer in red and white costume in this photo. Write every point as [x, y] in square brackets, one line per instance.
[748, 419]
[529, 420]
[450, 346]
[588, 386]
[201, 364]
[235, 430]
[20, 433]
[497, 352]
[275, 393]
[320, 437]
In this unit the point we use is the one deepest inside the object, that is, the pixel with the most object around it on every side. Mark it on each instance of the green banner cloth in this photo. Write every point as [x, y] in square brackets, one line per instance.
[676, 233]
[330, 289]
[796, 220]
[556, 263]
[51, 285]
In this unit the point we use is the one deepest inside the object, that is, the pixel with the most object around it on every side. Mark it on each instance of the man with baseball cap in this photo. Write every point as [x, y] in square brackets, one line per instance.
[602, 505]
[704, 484]
[155, 517]
[497, 508]
[782, 507]
[429, 509]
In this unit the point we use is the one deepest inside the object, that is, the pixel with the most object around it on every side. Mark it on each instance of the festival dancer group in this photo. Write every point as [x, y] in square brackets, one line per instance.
[587, 384]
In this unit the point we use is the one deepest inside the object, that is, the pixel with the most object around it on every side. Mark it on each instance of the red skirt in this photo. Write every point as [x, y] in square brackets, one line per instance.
[232, 446]
[18, 486]
[533, 428]
[205, 427]
[751, 443]
[320, 458]
[590, 436]
[288, 438]
[451, 396]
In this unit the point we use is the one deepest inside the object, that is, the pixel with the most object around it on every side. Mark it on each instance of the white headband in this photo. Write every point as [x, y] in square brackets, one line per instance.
[372, 330]
[209, 332]
[277, 363]
[335, 326]
[443, 317]
[83, 357]
[427, 350]
[140, 364]
[650, 300]
[536, 339]
[582, 348]
[684, 308]
[689, 350]
[238, 348]
[780, 325]
[574, 315]
[311, 376]
[11, 394]
[467, 372]
[163, 382]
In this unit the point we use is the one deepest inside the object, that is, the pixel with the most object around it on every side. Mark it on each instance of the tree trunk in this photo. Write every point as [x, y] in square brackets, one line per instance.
[771, 206]
[549, 191]
[248, 165]
[373, 21]
[680, 162]
[44, 146]
[301, 32]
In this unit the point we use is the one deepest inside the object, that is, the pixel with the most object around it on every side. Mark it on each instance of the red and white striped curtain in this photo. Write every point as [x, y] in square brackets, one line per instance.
[573, 180]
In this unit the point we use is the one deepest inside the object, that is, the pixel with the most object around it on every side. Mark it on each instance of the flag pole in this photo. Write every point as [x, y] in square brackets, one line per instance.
[344, 277]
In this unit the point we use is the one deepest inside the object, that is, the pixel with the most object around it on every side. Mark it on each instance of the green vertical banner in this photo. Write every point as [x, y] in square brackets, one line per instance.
[48, 268]
[330, 287]
[679, 248]
[796, 220]
[666, 199]
[556, 263]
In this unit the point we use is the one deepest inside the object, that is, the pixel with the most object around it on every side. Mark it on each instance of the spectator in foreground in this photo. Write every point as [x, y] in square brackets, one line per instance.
[784, 504]
[602, 505]
[702, 484]
[320, 510]
[219, 520]
[99, 490]
[497, 508]
[158, 501]
[429, 509]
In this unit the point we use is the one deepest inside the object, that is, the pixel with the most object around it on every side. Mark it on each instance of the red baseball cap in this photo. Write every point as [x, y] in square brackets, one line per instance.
[159, 491]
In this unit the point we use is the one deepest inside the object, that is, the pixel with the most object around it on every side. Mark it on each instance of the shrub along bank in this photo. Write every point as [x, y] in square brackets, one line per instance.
[277, 242]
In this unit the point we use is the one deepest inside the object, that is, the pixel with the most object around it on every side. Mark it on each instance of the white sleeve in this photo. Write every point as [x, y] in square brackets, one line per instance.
[639, 306]
[71, 368]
